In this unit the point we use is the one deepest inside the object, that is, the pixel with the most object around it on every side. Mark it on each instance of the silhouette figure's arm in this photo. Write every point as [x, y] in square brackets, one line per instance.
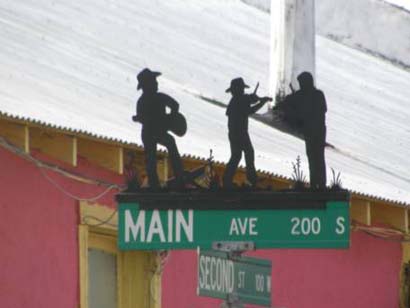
[253, 98]
[321, 102]
[171, 104]
[139, 115]
[256, 107]
[259, 105]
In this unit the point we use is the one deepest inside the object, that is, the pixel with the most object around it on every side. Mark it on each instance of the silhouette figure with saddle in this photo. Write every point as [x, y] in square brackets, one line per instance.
[310, 109]
[240, 107]
[156, 122]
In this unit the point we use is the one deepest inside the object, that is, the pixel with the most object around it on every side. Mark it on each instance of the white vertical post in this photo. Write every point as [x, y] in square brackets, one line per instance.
[292, 42]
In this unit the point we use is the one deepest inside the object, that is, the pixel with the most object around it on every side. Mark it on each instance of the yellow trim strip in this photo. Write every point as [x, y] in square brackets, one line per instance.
[83, 264]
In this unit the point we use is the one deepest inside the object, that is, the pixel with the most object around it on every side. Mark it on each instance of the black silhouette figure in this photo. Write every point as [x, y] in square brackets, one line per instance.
[310, 107]
[289, 111]
[240, 107]
[151, 113]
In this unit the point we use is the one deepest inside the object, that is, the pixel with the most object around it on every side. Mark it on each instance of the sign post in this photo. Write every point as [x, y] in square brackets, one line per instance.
[234, 278]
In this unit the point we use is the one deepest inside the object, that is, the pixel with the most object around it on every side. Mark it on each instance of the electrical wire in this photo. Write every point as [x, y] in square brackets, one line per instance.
[42, 166]
[386, 234]
[101, 221]
[65, 192]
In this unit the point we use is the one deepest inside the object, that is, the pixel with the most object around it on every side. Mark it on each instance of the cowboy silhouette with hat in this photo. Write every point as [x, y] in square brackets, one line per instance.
[240, 107]
[151, 113]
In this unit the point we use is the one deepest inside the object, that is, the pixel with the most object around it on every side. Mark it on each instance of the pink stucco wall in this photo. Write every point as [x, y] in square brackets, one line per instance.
[39, 253]
[38, 234]
[365, 276]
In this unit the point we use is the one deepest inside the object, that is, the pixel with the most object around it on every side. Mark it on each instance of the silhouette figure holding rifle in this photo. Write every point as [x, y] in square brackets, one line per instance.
[240, 107]
[151, 113]
[310, 110]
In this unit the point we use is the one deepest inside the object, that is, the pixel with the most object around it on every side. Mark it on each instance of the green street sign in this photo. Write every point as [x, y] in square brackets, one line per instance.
[247, 279]
[274, 226]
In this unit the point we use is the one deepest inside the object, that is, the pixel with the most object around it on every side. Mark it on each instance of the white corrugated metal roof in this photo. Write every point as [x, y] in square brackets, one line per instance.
[400, 3]
[73, 64]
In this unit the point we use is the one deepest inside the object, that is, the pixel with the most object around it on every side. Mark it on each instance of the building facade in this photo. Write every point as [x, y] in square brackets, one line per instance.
[59, 235]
